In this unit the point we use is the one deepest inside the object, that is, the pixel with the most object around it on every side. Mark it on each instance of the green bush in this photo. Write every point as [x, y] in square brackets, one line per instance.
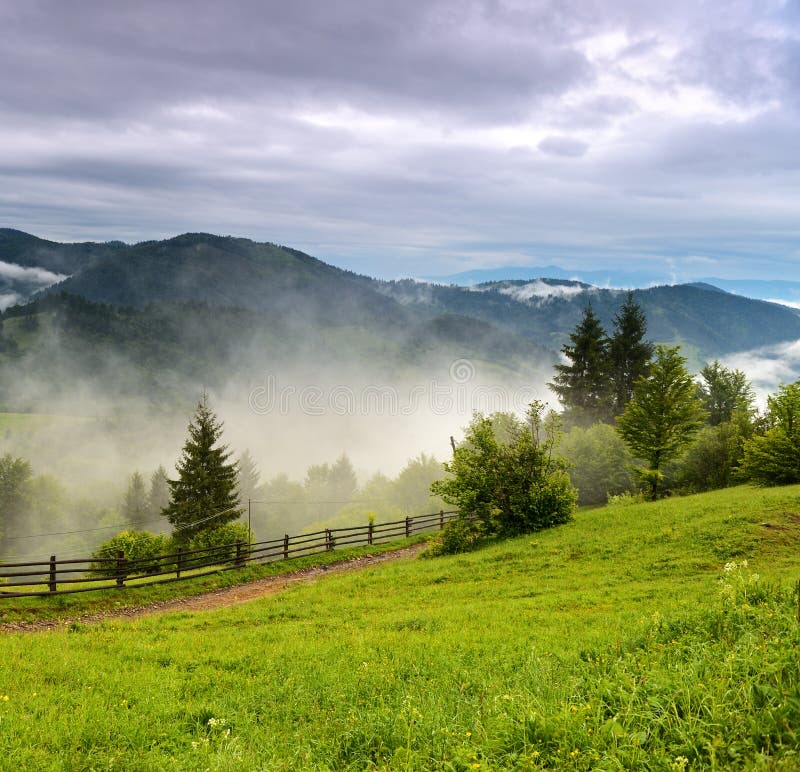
[774, 457]
[711, 461]
[136, 546]
[223, 538]
[507, 475]
[460, 535]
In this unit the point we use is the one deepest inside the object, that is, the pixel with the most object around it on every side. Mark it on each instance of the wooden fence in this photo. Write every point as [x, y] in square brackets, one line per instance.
[87, 574]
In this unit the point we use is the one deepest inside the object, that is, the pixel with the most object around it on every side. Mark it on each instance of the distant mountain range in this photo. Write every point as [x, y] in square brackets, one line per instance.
[210, 307]
[787, 291]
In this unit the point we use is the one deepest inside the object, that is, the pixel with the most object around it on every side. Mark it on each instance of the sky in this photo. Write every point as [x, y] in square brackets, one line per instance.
[413, 138]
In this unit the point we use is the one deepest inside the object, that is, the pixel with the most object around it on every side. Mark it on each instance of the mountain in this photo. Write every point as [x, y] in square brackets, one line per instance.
[706, 321]
[231, 272]
[210, 308]
[777, 290]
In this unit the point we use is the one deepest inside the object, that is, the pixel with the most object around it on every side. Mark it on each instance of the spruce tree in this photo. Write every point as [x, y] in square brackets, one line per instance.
[158, 498]
[582, 386]
[662, 417]
[134, 504]
[629, 352]
[203, 496]
[249, 478]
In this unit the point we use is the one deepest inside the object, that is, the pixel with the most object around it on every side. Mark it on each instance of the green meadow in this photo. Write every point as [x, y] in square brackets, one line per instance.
[634, 637]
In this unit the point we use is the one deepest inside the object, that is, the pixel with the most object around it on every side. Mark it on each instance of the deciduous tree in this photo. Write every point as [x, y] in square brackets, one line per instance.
[724, 393]
[514, 486]
[15, 477]
[774, 458]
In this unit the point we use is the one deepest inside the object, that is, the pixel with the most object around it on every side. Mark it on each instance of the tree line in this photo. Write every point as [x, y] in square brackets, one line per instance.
[636, 419]
[210, 500]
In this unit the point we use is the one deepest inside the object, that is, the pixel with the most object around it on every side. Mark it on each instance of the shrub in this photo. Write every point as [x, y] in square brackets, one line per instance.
[774, 458]
[460, 535]
[222, 540]
[136, 546]
[511, 485]
[711, 461]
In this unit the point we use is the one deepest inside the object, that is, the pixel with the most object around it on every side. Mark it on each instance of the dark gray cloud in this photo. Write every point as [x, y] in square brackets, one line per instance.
[392, 135]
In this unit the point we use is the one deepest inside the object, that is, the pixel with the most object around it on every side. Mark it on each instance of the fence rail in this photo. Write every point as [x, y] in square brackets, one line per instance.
[88, 574]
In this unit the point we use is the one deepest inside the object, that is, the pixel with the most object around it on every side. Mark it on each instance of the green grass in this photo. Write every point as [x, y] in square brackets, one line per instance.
[138, 592]
[614, 642]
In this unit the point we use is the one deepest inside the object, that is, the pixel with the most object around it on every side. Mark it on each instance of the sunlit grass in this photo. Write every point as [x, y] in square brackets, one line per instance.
[607, 643]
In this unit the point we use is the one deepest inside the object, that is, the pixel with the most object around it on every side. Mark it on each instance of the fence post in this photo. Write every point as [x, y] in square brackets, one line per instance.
[239, 554]
[369, 533]
[441, 519]
[121, 568]
[328, 540]
[286, 546]
[52, 573]
[179, 563]
[408, 526]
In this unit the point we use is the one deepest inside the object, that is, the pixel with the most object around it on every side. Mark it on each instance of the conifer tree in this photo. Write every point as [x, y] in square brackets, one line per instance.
[134, 504]
[158, 498]
[203, 496]
[582, 386]
[629, 352]
[662, 417]
[249, 478]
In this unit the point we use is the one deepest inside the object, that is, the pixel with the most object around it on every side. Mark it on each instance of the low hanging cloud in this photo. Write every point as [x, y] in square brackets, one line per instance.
[39, 277]
[539, 290]
[8, 299]
[768, 367]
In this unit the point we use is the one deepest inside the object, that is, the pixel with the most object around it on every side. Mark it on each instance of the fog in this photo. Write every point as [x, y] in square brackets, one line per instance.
[768, 367]
[93, 415]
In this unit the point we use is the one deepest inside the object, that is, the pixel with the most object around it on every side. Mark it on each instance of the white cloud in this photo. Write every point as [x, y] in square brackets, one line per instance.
[768, 367]
[8, 299]
[39, 277]
[539, 290]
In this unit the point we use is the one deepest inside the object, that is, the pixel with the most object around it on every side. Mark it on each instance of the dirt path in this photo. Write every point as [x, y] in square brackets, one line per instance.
[227, 596]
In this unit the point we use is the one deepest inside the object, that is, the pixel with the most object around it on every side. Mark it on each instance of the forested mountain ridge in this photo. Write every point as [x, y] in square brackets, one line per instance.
[706, 321]
[291, 288]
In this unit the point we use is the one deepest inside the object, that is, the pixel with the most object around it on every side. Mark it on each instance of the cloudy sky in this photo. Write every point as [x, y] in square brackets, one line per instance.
[413, 138]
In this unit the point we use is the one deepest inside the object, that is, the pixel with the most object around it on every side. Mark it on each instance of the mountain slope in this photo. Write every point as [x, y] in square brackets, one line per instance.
[227, 272]
[706, 321]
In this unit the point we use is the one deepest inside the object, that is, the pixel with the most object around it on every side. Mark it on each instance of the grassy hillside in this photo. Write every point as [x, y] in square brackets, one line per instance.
[616, 641]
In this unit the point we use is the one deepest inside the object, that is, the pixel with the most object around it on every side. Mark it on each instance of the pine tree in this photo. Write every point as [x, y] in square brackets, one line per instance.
[204, 494]
[158, 498]
[629, 352]
[134, 505]
[662, 417]
[249, 478]
[582, 386]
